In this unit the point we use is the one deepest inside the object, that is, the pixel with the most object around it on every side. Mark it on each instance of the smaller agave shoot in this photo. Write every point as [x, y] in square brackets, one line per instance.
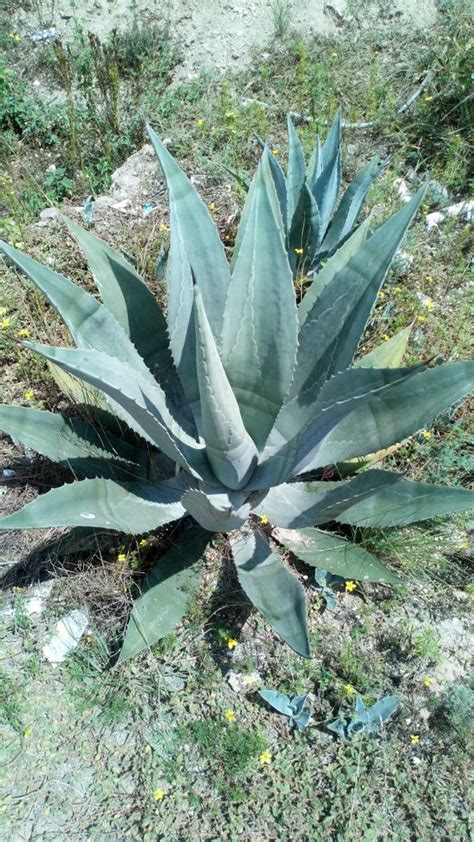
[237, 401]
[314, 225]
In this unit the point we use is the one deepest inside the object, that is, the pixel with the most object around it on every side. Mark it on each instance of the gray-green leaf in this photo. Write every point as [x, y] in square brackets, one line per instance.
[335, 554]
[274, 591]
[166, 593]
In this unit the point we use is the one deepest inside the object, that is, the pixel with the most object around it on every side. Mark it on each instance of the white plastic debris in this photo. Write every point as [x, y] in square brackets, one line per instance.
[67, 635]
[462, 209]
[8, 473]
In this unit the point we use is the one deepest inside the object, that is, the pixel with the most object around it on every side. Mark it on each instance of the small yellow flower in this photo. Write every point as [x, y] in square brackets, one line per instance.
[200, 122]
[249, 680]
[159, 794]
[230, 715]
[4, 323]
[334, 55]
[398, 289]
[421, 318]
[381, 294]
[16, 589]
[265, 758]
[385, 337]
[428, 98]
[464, 546]
[427, 681]
[212, 206]
[349, 689]
[426, 434]
[231, 642]
[164, 228]
[29, 395]
[24, 332]
[414, 739]
[298, 251]
[27, 733]
[89, 639]
[3, 310]
[274, 151]
[429, 278]
[429, 303]
[263, 520]
[350, 585]
[122, 558]
[143, 542]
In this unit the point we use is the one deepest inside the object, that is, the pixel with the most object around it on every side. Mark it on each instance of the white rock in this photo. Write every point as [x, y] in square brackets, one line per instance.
[48, 213]
[36, 602]
[402, 188]
[461, 209]
[241, 683]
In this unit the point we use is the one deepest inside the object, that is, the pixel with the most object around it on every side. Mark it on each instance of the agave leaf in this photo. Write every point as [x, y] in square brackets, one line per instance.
[295, 504]
[280, 186]
[274, 591]
[229, 448]
[71, 442]
[308, 418]
[389, 354]
[313, 170]
[330, 334]
[373, 498]
[384, 498]
[304, 232]
[389, 416]
[278, 701]
[166, 593]
[128, 298]
[371, 720]
[90, 323]
[325, 188]
[278, 179]
[330, 269]
[334, 554]
[132, 507]
[195, 243]
[211, 517]
[139, 402]
[346, 215]
[259, 347]
[296, 174]
[75, 390]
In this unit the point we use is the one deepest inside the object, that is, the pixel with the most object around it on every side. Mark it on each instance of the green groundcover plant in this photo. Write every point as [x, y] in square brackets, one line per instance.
[239, 400]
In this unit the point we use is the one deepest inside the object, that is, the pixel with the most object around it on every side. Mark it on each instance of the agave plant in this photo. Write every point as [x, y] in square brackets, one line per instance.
[238, 401]
[308, 196]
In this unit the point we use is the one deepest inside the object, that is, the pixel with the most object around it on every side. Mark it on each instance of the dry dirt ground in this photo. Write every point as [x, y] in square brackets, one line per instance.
[220, 36]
